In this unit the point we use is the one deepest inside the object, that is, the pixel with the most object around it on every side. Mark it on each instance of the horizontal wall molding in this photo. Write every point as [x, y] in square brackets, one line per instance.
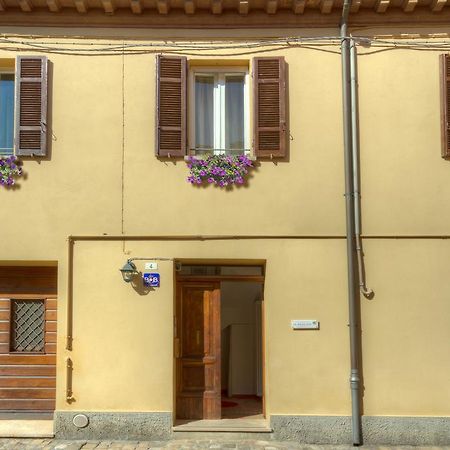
[243, 237]
[376, 430]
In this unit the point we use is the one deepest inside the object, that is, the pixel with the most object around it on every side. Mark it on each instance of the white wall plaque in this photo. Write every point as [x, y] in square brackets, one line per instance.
[305, 324]
[151, 266]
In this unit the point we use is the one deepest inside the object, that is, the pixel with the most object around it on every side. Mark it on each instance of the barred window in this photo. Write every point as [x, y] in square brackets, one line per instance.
[27, 325]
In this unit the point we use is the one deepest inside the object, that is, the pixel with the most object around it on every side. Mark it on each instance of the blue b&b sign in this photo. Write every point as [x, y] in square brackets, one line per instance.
[151, 279]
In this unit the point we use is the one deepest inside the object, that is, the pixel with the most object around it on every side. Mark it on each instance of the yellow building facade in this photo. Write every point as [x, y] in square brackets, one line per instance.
[101, 196]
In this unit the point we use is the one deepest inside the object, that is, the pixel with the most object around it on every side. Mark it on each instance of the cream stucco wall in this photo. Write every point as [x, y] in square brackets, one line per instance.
[403, 175]
[102, 163]
[122, 348]
[405, 328]
[112, 320]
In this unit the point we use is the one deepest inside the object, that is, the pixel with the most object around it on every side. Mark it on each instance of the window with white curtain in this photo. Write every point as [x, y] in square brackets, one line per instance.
[6, 113]
[219, 110]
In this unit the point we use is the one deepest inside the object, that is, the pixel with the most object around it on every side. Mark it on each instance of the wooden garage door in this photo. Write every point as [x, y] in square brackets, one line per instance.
[28, 314]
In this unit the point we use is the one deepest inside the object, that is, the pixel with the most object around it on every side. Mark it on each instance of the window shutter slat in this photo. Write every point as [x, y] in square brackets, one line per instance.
[445, 106]
[269, 81]
[171, 106]
[31, 105]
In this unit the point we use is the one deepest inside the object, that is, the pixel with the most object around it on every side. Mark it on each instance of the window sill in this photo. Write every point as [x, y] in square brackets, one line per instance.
[186, 158]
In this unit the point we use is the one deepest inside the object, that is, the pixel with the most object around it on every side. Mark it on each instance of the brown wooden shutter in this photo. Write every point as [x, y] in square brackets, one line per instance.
[171, 106]
[445, 106]
[269, 81]
[31, 105]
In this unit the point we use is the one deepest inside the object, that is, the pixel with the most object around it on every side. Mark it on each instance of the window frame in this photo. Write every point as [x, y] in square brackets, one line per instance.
[219, 72]
[10, 71]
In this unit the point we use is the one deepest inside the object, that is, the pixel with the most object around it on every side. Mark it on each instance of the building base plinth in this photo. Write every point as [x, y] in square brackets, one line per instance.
[114, 425]
[379, 430]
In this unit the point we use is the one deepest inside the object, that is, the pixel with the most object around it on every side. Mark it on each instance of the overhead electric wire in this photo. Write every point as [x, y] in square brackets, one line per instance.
[222, 47]
[179, 42]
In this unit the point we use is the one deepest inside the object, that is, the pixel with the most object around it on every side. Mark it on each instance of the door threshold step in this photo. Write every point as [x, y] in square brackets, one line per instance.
[223, 429]
[19, 435]
[222, 434]
[225, 425]
[26, 428]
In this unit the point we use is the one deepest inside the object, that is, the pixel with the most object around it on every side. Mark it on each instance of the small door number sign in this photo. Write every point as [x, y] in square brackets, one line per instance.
[151, 279]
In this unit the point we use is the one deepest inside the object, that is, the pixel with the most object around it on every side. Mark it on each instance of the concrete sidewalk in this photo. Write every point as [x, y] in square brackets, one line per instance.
[188, 444]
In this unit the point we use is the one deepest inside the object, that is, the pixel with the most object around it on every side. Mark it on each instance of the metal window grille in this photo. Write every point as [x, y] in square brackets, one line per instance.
[27, 325]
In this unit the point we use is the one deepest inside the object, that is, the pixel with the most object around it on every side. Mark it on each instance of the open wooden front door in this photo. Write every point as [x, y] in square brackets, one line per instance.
[197, 351]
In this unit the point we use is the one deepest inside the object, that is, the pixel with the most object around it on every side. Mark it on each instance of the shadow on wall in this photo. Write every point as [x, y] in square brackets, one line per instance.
[138, 285]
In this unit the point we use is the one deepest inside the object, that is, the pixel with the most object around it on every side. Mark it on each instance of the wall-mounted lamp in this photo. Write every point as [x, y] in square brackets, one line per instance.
[128, 271]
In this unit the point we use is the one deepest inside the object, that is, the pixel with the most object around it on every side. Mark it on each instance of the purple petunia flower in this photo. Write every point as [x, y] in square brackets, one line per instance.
[9, 170]
[222, 170]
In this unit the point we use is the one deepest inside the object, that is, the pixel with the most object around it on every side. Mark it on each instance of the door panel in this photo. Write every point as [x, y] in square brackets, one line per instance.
[197, 346]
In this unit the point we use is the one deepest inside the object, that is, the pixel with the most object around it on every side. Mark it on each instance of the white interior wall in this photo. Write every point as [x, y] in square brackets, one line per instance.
[238, 316]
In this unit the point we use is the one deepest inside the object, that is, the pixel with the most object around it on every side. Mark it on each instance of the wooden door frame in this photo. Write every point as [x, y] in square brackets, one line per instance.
[178, 279]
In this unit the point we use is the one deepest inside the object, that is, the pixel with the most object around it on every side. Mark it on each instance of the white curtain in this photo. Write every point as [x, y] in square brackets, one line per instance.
[204, 112]
[234, 112]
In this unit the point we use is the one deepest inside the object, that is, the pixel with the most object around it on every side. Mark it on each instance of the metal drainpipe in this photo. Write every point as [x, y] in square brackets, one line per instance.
[367, 292]
[350, 226]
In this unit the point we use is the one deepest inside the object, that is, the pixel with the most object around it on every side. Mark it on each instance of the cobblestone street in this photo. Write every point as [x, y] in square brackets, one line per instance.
[192, 444]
